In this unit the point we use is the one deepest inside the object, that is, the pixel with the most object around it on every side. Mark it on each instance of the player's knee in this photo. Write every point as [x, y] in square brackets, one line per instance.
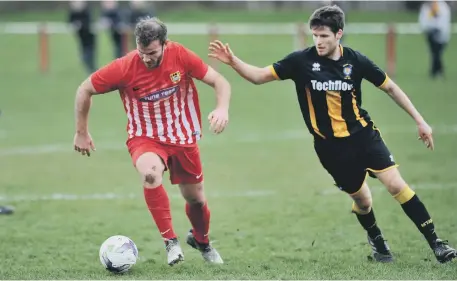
[151, 179]
[395, 184]
[193, 194]
[362, 203]
[365, 205]
[150, 167]
[197, 202]
[362, 200]
[392, 180]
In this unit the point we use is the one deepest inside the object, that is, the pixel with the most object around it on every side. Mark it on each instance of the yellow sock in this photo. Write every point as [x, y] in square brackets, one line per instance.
[357, 210]
[404, 195]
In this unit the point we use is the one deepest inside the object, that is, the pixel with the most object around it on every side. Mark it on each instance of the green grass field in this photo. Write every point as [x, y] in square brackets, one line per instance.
[275, 211]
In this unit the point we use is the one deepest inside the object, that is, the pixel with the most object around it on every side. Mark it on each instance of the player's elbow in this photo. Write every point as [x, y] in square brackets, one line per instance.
[215, 79]
[263, 75]
[256, 81]
[259, 80]
[221, 83]
[83, 95]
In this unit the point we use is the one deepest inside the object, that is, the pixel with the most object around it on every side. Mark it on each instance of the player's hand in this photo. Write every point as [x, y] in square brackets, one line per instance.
[221, 52]
[218, 120]
[425, 134]
[83, 143]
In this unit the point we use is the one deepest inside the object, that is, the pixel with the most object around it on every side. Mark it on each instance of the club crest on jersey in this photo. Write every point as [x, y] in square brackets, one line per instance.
[175, 77]
[347, 71]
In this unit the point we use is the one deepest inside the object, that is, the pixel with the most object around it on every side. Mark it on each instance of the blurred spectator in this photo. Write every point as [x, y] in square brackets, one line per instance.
[80, 18]
[435, 22]
[138, 10]
[111, 16]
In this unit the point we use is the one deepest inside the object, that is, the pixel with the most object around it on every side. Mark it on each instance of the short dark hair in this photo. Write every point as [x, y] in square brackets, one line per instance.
[149, 29]
[331, 16]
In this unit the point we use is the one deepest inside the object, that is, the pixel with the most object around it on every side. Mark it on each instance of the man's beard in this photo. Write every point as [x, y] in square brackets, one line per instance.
[155, 64]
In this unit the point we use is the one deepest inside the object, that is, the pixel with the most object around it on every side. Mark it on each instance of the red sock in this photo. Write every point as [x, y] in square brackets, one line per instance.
[199, 218]
[159, 207]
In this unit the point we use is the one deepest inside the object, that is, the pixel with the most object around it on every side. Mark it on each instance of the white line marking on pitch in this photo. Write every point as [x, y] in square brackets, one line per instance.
[125, 196]
[380, 188]
[288, 135]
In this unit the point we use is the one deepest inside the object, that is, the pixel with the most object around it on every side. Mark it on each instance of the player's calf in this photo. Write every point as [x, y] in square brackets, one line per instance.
[150, 166]
[197, 210]
[417, 212]
[362, 208]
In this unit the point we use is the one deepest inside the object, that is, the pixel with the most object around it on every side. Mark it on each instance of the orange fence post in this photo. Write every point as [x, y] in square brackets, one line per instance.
[43, 38]
[391, 55]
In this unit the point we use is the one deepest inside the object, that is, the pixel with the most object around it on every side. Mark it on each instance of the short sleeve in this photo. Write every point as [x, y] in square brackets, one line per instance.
[109, 77]
[193, 64]
[286, 68]
[372, 72]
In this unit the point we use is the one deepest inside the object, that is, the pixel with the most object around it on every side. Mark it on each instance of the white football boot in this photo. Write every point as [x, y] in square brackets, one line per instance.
[209, 253]
[174, 251]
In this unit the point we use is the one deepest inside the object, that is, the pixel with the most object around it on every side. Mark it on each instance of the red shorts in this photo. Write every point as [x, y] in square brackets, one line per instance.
[183, 162]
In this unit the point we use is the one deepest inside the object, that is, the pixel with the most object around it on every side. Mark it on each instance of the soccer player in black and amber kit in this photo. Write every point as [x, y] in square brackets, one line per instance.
[328, 80]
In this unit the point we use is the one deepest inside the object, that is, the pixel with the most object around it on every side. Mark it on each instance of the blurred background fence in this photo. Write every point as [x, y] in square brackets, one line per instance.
[215, 18]
[16, 6]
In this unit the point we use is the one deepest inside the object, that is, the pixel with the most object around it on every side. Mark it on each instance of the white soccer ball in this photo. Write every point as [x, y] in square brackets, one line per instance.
[118, 254]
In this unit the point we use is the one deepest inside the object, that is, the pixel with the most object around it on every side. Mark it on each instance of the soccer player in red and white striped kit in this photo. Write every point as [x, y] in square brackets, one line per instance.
[156, 86]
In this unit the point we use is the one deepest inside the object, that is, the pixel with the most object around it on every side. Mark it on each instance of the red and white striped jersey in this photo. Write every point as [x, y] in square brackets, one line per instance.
[160, 103]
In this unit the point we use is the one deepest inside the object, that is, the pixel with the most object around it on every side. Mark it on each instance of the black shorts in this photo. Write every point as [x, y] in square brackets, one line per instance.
[348, 160]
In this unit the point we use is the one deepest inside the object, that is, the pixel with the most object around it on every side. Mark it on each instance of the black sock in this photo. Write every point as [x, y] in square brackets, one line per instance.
[416, 211]
[368, 222]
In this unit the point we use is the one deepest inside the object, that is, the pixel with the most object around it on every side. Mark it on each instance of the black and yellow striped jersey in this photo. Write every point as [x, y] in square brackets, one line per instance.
[329, 91]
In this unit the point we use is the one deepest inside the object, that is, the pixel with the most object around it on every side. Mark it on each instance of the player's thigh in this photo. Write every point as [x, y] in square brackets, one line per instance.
[392, 180]
[149, 159]
[341, 162]
[185, 166]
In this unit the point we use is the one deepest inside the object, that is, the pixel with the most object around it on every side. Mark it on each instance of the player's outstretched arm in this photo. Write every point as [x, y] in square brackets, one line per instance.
[83, 141]
[253, 74]
[218, 118]
[399, 96]
[104, 80]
